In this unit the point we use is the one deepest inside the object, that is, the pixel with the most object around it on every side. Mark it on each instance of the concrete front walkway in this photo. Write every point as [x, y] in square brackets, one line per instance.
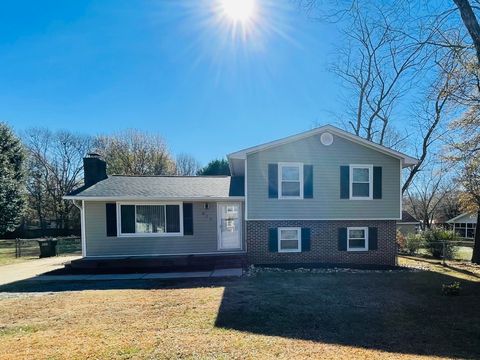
[31, 268]
[145, 276]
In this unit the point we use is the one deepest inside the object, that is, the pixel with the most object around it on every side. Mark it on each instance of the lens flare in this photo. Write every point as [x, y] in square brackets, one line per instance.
[238, 10]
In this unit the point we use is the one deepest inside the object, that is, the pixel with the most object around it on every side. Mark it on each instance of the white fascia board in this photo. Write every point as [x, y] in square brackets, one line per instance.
[152, 198]
[451, 221]
[406, 160]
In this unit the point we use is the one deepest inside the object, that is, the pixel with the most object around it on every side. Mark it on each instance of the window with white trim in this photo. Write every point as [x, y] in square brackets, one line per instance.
[465, 230]
[289, 239]
[290, 180]
[361, 184]
[150, 219]
[357, 238]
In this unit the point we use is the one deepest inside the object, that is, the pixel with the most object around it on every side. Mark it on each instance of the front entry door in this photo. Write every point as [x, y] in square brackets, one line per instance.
[229, 220]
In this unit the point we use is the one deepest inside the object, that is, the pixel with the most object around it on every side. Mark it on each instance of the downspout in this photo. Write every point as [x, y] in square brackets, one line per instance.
[80, 205]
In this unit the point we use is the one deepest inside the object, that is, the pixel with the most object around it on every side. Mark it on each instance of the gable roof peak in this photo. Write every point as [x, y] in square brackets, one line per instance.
[406, 159]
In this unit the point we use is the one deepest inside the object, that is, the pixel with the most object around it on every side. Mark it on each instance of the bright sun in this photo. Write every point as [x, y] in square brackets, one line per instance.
[238, 10]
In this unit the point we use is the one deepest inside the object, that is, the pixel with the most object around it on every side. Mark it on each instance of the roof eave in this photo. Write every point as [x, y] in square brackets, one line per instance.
[452, 220]
[407, 161]
[153, 198]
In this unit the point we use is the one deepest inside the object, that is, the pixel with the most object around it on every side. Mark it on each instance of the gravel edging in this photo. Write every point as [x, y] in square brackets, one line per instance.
[255, 270]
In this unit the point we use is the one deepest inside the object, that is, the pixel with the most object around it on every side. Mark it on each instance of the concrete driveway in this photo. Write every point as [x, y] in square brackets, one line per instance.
[29, 269]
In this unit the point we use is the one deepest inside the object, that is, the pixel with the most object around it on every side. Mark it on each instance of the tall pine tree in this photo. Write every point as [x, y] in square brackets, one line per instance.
[12, 200]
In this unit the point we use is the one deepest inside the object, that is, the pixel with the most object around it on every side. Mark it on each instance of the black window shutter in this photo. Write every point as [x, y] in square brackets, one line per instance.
[344, 182]
[372, 238]
[111, 209]
[377, 182]
[273, 240]
[173, 218]
[273, 181]
[305, 239]
[127, 214]
[308, 181]
[187, 219]
[342, 239]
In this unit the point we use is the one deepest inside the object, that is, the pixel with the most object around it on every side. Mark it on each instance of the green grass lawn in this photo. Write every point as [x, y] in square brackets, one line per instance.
[7, 253]
[30, 250]
[374, 315]
[462, 253]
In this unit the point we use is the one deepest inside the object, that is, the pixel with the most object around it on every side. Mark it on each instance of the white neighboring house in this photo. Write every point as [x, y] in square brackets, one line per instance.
[464, 225]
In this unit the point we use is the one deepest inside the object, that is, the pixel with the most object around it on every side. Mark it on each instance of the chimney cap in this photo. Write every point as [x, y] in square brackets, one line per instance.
[93, 155]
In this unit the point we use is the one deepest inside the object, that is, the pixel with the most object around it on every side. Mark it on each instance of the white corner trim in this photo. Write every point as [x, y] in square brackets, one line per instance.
[82, 226]
[401, 195]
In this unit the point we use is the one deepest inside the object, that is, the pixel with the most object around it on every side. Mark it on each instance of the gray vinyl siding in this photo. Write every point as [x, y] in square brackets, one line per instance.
[203, 240]
[326, 203]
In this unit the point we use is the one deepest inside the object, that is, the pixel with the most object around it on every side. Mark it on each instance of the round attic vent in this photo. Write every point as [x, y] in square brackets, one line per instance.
[326, 138]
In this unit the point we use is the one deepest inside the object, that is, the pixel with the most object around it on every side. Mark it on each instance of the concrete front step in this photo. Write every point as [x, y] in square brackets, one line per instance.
[159, 264]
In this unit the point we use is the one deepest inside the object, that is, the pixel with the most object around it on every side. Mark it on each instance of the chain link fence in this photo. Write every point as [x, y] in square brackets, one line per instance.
[443, 250]
[29, 248]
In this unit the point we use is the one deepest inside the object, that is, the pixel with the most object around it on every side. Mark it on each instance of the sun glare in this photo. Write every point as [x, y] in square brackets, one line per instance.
[238, 10]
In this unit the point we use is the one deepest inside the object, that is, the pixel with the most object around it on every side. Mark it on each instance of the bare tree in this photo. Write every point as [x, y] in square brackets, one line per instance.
[55, 168]
[378, 65]
[186, 165]
[471, 23]
[133, 152]
[425, 196]
[392, 51]
[434, 113]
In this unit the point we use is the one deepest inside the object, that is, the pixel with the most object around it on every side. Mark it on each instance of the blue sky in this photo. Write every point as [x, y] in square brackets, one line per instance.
[169, 67]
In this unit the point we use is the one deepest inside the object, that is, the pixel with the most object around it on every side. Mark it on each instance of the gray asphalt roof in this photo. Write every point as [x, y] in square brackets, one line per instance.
[164, 187]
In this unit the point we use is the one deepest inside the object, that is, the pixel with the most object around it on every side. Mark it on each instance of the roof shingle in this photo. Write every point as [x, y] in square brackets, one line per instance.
[164, 187]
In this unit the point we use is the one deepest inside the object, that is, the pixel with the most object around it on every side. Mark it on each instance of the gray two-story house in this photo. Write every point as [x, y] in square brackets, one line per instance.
[324, 196]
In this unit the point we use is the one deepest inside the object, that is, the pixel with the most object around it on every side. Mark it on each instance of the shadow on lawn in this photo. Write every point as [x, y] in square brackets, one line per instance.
[396, 312]
[393, 312]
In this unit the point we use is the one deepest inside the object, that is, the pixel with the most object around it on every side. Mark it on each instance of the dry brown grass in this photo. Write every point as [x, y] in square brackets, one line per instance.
[164, 324]
[137, 320]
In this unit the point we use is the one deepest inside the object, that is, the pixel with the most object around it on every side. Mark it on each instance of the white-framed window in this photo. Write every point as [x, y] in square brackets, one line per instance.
[150, 219]
[289, 239]
[465, 230]
[290, 180]
[357, 238]
[361, 182]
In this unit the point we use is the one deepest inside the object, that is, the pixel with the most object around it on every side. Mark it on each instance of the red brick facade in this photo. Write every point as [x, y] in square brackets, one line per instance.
[324, 243]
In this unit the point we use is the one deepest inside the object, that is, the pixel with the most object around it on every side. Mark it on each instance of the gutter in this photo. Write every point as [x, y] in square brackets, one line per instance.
[151, 198]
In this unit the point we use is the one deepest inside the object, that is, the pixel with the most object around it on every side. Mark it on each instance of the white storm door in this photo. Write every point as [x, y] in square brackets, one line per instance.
[229, 221]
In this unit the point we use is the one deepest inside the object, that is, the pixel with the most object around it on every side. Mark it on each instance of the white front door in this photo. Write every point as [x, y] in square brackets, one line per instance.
[229, 220]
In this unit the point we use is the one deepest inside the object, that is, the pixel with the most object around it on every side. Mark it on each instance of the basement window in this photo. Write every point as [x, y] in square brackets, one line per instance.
[289, 239]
